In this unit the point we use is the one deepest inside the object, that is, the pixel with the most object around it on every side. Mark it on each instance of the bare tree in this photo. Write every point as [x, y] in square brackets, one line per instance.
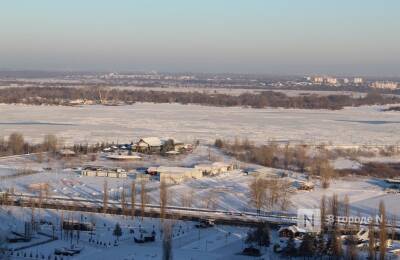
[326, 173]
[32, 204]
[39, 156]
[393, 227]
[382, 231]
[133, 198]
[301, 157]
[209, 199]
[16, 143]
[315, 167]
[50, 143]
[287, 156]
[163, 198]
[102, 95]
[105, 196]
[272, 188]
[371, 241]
[40, 198]
[284, 195]
[336, 244]
[167, 241]
[123, 202]
[346, 209]
[352, 252]
[187, 199]
[143, 197]
[323, 212]
[334, 210]
[257, 193]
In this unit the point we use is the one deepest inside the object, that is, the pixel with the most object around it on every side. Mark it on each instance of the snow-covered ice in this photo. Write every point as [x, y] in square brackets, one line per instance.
[352, 125]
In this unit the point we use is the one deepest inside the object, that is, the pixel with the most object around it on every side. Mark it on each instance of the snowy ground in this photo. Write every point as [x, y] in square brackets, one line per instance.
[346, 163]
[228, 191]
[218, 242]
[362, 125]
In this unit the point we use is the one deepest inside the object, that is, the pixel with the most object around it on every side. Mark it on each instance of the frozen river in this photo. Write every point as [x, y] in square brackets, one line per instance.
[363, 125]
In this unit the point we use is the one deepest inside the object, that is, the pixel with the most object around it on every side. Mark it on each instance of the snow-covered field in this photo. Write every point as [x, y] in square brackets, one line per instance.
[361, 125]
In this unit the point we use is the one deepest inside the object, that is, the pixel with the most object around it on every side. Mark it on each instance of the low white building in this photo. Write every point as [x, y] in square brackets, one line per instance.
[358, 80]
[178, 174]
[66, 153]
[142, 176]
[94, 171]
[123, 157]
[265, 173]
[214, 168]
[385, 85]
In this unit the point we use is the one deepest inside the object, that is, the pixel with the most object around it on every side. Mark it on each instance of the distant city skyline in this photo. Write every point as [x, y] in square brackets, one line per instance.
[282, 37]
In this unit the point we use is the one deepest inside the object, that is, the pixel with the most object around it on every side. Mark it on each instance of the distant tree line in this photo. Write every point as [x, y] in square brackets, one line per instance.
[392, 108]
[15, 144]
[375, 169]
[64, 95]
[302, 158]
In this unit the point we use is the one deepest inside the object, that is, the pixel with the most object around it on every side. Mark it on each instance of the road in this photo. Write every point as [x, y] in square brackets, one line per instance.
[153, 210]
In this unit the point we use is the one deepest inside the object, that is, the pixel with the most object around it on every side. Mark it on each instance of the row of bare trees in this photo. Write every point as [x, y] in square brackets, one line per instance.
[321, 168]
[269, 193]
[293, 157]
[270, 155]
[376, 169]
[15, 144]
[144, 199]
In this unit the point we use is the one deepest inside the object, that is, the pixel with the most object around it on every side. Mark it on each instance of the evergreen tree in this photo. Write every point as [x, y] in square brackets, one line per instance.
[117, 231]
[308, 246]
[290, 249]
[320, 244]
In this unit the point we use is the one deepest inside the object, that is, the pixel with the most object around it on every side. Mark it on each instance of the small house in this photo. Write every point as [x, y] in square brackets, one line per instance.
[291, 231]
[66, 153]
[149, 145]
[363, 235]
[75, 225]
[304, 185]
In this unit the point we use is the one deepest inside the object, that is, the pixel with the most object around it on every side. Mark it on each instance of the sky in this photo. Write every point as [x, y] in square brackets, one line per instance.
[341, 37]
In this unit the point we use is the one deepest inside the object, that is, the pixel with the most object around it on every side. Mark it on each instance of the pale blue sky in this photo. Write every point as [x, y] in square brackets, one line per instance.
[251, 36]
